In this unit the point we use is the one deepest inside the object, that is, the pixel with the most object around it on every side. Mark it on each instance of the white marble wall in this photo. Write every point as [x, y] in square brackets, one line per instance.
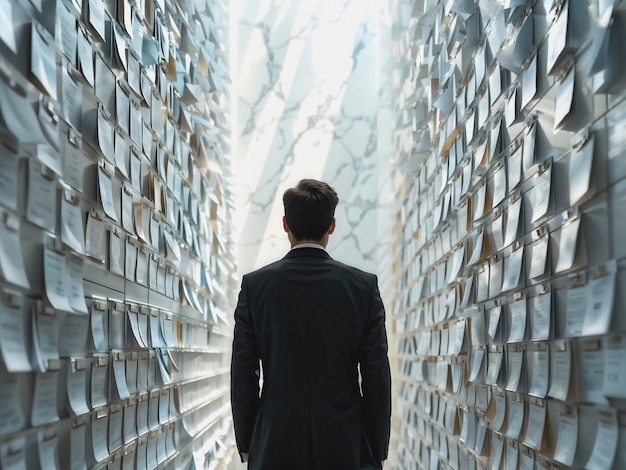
[306, 85]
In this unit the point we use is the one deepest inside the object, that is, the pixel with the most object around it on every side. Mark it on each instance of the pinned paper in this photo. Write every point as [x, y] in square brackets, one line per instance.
[540, 318]
[41, 201]
[566, 443]
[537, 411]
[72, 226]
[77, 386]
[55, 277]
[518, 321]
[512, 222]
[541, 200]
[515, 366]
[538, 356]
[43, 59]
[10, 402]
[614, 370]
[44, 409]
[567, 245]
[600, 296]
[12, 269]
[95, 236]
[605, 446]
[561, 372]
[591, 363]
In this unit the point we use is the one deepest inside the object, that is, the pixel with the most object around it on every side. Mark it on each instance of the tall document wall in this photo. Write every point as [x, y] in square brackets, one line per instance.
[509, 320]
[115, 240]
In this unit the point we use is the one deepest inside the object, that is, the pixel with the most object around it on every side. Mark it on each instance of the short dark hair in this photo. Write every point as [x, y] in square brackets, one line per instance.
[309, 209]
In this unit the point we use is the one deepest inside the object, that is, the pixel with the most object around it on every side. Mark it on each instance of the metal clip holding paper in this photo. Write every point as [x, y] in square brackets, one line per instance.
[581, 138]
[566, 67]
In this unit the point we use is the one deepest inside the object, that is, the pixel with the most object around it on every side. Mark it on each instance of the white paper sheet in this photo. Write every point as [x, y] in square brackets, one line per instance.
[98, 320]
[99, 436]
[600, 296]
[11, 259]
[539, 259]
[515, 413]
[9, 165]
[567, 437]
[77, 387]
[579, 171]
[541, 193]
[514, 368]
[518, 321]
[105, 187]
[10, 402]
[41, 201]
[604, 449]
[614, 370]
[44, 408]
[43, 59]
[512, 221]
[560, 370]
[513, 268]
[73, 170]
[99, 384]
[85, 57]
[541, 317]
[7, 33]
[55, 279]
[72, 225]
[95, 237]
[19, 115]
[77, 448]
[65, 31]
[47, 451]
[539, 354]
[567, 245]
[45, 338]
[536, 423]
[74, 290]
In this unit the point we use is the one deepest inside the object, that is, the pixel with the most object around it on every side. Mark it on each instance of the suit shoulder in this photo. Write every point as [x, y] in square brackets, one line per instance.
[354, 270]
[264, 270]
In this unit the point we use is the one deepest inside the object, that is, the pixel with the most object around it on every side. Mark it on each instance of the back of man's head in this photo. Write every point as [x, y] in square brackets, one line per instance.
[309, 209]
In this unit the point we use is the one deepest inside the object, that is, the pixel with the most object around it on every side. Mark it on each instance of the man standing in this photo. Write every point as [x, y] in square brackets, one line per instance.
[313, 323]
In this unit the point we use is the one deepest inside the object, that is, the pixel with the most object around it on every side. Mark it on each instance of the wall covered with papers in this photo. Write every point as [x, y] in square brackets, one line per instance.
[509, 318]
[116, 259]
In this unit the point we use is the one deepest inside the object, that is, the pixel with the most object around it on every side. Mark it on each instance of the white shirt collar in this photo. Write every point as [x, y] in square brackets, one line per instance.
[308, 245]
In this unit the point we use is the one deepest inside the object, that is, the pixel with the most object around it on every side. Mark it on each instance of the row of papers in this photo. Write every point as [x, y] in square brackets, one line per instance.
[33, 336]
[141, 434]
[76, 387]
[589, 370]
[506, 430]
[588, 308]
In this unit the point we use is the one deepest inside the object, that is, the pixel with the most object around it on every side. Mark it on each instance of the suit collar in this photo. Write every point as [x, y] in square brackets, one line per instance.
[308, 253]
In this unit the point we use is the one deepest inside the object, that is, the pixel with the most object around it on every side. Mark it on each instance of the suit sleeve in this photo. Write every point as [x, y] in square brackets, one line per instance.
[376, 379]
[244, 373]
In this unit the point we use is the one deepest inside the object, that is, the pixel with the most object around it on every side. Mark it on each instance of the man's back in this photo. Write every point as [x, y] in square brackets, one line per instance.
[311, 320]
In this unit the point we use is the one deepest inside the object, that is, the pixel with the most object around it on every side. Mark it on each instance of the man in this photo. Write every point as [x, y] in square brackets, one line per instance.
[313, 323]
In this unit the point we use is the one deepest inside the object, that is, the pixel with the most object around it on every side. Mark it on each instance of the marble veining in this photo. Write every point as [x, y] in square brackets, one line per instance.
[307, 97]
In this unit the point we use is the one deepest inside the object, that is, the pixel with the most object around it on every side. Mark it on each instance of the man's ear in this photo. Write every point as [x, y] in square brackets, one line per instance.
[331, 229]
[285, 226]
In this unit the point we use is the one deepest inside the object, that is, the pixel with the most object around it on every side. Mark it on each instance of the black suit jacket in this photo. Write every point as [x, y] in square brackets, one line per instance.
[311, 321]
